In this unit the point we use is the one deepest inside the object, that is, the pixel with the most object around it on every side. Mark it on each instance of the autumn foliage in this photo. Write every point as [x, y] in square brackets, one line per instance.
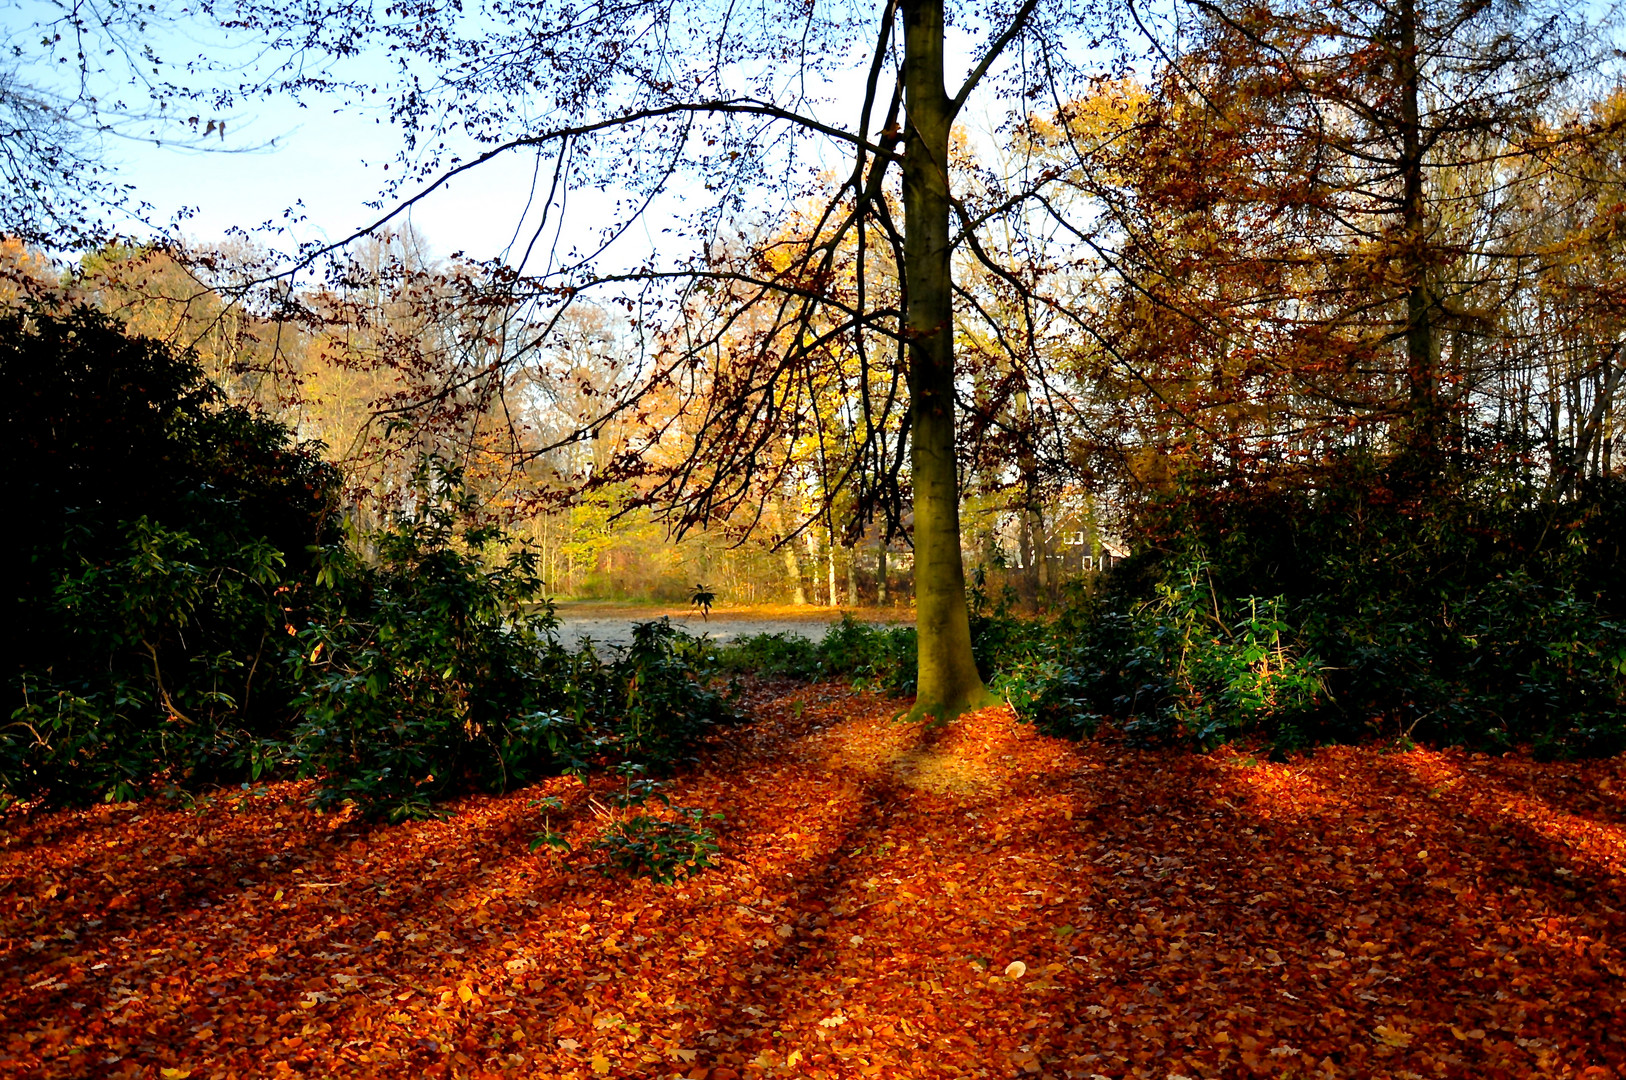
[972, 901]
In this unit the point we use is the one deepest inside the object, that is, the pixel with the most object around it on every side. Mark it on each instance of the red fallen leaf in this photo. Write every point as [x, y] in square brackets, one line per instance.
[1272, 907]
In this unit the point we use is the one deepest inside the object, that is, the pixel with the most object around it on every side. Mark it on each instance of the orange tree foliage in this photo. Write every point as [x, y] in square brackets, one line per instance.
[974, 901]
[1330, 224]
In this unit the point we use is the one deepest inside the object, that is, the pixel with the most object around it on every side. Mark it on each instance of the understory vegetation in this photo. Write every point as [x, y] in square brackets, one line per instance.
[1352, 604]
[193, 610]
[1361, 602]
[194, 613]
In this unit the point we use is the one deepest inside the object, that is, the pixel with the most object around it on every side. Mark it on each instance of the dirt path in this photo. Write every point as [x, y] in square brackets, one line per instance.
[976, 901]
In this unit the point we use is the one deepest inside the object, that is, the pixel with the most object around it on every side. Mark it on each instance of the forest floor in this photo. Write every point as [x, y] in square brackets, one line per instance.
[978, 900]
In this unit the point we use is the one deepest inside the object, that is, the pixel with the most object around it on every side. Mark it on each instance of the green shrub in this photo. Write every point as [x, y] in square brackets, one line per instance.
[660, 848]
[170, 623]
[1467, 606]
[664, 845]
[161, 561]
[425, 673]
[437, 670]
[1015, 656]
[1186, 663]
[876, 657]
[663, 697]
[184, 610]
[782, 655]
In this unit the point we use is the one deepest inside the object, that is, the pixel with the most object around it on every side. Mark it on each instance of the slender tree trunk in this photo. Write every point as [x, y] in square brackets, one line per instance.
[948, 680]
[1609, 436]
[1422, 346]
[793, 566]
[812, 566]
[1031, 526]
[1024, 553]
[881, 596]
[793, 570]
[852, 575]
[1041, 553]
[830, 566]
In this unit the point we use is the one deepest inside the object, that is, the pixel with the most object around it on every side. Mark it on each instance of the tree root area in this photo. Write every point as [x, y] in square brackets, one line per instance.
[974, 900]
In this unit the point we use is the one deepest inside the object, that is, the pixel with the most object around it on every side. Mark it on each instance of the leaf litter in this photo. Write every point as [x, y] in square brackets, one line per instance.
[892, 901]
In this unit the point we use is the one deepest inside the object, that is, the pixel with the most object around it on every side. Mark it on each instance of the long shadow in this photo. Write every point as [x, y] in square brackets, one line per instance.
[305, 939]
[1582, 800]
[799, 980]
[205, 935]
[1159, 851]
[786, 965]
[167, 884]
[1547, 860]
[1296, 909]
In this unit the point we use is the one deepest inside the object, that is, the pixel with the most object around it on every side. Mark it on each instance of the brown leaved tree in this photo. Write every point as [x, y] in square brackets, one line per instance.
[743, 116]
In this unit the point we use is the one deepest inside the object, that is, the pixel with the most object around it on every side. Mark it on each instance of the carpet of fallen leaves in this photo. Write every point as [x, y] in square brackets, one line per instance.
[972, 901]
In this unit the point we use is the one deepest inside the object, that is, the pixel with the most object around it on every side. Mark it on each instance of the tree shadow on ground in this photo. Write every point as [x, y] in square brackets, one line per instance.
[1160, 914]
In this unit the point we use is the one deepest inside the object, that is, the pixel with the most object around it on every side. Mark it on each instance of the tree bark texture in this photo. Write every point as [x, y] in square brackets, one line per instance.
[881, 597]
[948, 679]
[1422, 349]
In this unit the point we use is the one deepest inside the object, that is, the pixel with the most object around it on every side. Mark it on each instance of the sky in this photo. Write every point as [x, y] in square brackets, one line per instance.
[327, 165]
[285, 172]
[326, 162]
[290, 173]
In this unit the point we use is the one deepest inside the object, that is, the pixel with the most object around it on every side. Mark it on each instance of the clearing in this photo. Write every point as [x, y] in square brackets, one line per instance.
[892, 902]
[610, 623]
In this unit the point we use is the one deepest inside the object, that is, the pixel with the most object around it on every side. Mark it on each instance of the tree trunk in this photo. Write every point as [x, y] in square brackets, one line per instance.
[830, 566]
[793, 570]
[852, 575]
[881, 597]
[1041, 554]
[948, 680]
[793, 566]
[1024, 554]
[1030, 528]
[812, 567]
[1422, 346]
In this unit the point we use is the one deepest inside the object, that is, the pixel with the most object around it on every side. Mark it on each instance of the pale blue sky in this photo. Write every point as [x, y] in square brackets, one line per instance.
[333, 163]
[326, 162]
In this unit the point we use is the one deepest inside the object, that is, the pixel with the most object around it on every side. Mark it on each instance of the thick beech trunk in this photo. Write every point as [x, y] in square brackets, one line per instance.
[948, 680]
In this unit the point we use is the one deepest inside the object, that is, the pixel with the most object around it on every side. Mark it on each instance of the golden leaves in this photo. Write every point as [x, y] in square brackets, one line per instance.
[1390, 1036]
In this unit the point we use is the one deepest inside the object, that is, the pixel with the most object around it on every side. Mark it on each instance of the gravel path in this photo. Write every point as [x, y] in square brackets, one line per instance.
[614, 626]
